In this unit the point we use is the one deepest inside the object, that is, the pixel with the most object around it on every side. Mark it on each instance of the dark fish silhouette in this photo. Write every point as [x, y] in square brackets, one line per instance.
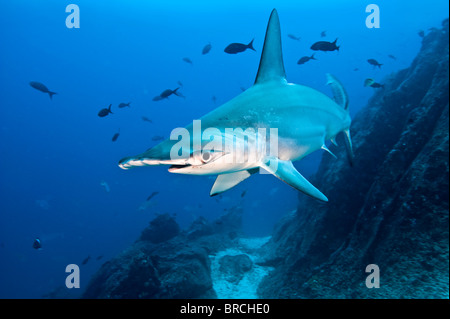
[41, 87]
[214, 99]
[293, 37]
[243, 193]
[370, 82]
[323, 34]
[374, 63]
[325, 46]
[179, 83]
[37, 244]
[152, 195]
[206, 49]
[99, 257]
[116, 136]
[355, 69]
[165, 94]
[392, 57]
[146, 119]
[421, 33]
[305, 59]
[234, 48]
[121, 105]
[168, 92]
[187, 60]
[85, 261]
[105, 111]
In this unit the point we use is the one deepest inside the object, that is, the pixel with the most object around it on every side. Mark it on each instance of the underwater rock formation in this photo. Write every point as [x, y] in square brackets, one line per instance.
[391, 209]
[161, 229]
[175, 265]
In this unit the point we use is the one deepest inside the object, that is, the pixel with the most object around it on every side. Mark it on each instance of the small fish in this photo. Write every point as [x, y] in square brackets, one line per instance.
[157, 138]
[99, 257]
[206, 49]
[243, 193]
[374, 63]
[146, 119]
[37, 244]
[293, 37]
[355, 69]
[104, 112]
[41, 87]
[187, 60]
[121, 105]
[305, 59]
[116, 136]
[421, 33]
[152, 195]
[234, 48]
[392, 57]
[214, 99]
[179, 83]
[242, 89]
[85, 261]
[323, 34]
[166, 93]
[105, 185]
[370, 82]
[325, 46]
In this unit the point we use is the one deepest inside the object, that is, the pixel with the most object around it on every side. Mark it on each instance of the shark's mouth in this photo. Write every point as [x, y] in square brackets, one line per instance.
[174, 168]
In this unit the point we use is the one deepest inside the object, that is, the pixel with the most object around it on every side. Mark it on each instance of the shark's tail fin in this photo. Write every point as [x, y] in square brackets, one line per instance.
[341, 98]
[51, 94]
[250, 45]
[339, 93]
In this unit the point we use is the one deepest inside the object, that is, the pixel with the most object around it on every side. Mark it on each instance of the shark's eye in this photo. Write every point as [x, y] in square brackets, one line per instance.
[206, 157]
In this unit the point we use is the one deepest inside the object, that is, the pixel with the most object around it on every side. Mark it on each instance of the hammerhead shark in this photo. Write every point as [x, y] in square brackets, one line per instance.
[300, 120]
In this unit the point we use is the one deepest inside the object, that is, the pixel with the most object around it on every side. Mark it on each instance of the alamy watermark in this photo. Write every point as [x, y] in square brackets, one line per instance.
[373, 280]
[227, 146]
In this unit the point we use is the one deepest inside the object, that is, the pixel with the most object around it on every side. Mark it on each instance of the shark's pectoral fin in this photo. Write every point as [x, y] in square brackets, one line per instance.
[286, 171]
[226, 181]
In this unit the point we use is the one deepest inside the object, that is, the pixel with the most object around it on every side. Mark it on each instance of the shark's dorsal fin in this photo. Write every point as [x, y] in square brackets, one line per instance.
[271, 67]
[226, 181]
[286, 171]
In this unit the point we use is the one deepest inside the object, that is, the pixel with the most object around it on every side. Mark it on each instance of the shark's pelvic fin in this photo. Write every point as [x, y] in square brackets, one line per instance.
[325, 148]
[226, 181]
[339, 93]
[271, 67]
[286, 171]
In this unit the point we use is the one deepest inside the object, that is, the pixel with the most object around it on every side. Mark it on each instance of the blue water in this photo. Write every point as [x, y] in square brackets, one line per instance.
[55, 153]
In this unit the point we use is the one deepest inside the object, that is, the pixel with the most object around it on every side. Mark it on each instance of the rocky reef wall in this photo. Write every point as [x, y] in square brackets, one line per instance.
[390, 209]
